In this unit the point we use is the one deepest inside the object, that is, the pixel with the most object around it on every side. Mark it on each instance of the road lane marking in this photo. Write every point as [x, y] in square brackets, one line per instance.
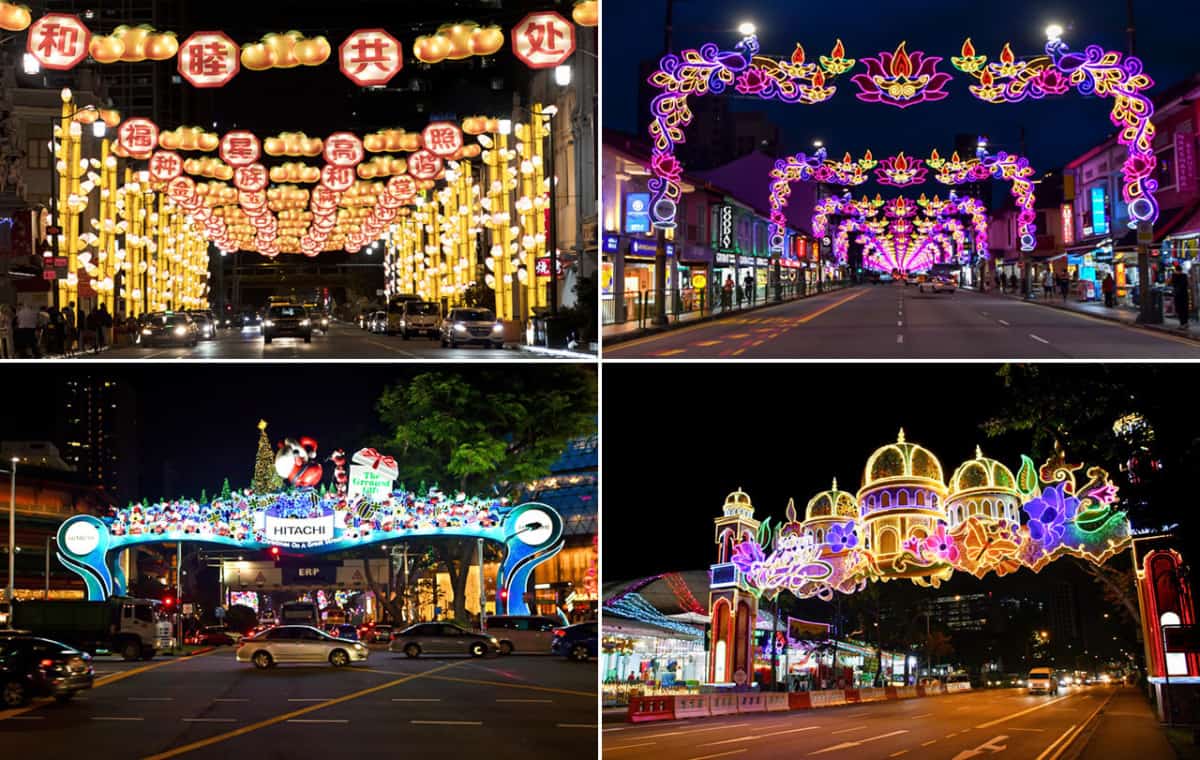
[672, 352]
[446, 722]
[739, 352]
[998, 721]
[319, 720]
[209, 720]
[848, 730]
[183, 749]
[1014, 728]
[847, 745]
[1039, 339]
[416, 699]
[311, 699]
[707, 343]
[719, 754]
[1056, 741]
[923, 715]
[1077, 731]
[1006, 324]
[572, 692]
[98, 717]
[230, 699]
[752, 737]
[150, 699]
[630, 746]
[576, 725]
[696, 730]
[525, 700]
[830, 307]
[926, 744]
[899, 323]
[899, 338]
[898, 754]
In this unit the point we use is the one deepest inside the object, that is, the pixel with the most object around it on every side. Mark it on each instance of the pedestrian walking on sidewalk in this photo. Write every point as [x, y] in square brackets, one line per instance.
[26, 332]
[727, 292]
[749, 288]
[1179, 284]
[1064, 287]
[1047, 284]
[1109, 288]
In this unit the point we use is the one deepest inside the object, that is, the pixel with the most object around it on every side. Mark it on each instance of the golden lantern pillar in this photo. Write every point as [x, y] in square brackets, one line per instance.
[62, 159]
[75, 206]
[525, 215]
[464, 268]
[540, 126]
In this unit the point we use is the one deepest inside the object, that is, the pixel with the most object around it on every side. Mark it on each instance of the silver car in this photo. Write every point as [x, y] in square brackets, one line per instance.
[442, 638]
[464, 326]
[299, 643]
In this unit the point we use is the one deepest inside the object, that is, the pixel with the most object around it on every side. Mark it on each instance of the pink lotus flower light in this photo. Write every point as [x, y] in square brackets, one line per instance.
[901, 78]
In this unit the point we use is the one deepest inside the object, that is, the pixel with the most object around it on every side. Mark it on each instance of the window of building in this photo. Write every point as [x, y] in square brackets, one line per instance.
[1164, 171]
[37, 154]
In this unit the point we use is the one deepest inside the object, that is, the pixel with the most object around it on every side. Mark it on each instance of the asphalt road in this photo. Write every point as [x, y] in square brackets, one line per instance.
[210, 706]
[1002, 723]
[895, 322]
[344, 341]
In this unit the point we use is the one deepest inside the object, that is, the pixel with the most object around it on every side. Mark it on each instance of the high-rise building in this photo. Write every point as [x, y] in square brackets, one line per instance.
[1064, 613]
[97, 432]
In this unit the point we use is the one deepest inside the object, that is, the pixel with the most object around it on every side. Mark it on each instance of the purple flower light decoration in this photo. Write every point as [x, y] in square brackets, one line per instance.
[666, 166]
[752, 82]
[1048, 515]
[914, 546]
[1050, 82]
[901, 78]
[841, 537]
[746, 555]
[942, 544]
[901, 171]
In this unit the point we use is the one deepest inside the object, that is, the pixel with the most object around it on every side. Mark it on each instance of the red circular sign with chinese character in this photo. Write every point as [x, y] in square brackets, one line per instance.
[165, 165]
[543, 40]
[58, 41]
[401, 186]
[343, 149]
[209, 59]
[441, 138]
[424, 165]
[240, 148]
[138, 137]
[370, 57]
[338, 178]
[250, 178]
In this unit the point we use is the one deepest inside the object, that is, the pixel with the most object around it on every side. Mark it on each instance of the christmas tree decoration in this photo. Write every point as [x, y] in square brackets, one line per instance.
[264, 463]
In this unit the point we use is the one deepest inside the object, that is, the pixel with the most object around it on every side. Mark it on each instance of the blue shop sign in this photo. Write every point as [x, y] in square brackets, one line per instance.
[648, 248]
[611, 243]
[637, 212]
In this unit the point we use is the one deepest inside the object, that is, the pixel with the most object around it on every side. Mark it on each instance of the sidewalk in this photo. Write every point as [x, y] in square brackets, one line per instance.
[1125, 727]
[620, 332]
[1121, 315]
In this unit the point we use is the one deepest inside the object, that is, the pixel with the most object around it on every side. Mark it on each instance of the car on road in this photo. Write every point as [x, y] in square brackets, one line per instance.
[377, 322]
[465, 326]
[5, 611]
[1042, 681]
[417, 318]
[167, 328]
[31, 666]
[442, 638]
[379, 634]
[576, 642]
[299, 643]
[287, 319]
[522, 633]
[246, 320]
[206, 324]
[217, 636]
[344, 631]
[937, 284]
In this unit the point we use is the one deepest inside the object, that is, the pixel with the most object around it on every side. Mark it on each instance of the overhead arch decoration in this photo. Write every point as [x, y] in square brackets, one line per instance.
[308, 520]
[902, 79]
[908, 521]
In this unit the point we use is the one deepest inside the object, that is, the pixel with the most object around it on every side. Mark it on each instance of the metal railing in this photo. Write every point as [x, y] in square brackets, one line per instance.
[694, 303]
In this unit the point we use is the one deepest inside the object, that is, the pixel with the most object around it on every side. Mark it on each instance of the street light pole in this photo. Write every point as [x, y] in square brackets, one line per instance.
[48, 540]
[482, 592]
[12, 532]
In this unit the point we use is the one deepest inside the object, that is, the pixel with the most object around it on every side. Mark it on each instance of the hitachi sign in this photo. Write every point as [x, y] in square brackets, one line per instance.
[303, 531]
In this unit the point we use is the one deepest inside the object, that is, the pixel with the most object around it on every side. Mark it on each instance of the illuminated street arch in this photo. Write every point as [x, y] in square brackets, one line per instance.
[902, 171]
[900, 79]
[306, 521]
[908, 521]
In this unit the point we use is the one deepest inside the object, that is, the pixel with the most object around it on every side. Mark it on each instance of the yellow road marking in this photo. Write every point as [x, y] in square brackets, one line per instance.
[830, 307]
[1072, 736]
[672, 352]
[739, 352]
[707, 343]
[590, 694]
[103, 681]
[293, 714]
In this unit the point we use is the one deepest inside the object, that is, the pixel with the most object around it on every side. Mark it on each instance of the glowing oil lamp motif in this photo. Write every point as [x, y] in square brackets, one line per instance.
[901, 78]
[900, 171]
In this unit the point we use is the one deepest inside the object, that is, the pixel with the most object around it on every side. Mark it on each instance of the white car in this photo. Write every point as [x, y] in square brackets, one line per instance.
[299, 643]
[936, 285]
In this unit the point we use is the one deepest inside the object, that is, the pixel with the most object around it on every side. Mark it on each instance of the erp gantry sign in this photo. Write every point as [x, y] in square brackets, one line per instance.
[362, 509]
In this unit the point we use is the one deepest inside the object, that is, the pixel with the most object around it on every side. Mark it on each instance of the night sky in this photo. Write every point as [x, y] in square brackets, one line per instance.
[198, 425]
[1058, 129]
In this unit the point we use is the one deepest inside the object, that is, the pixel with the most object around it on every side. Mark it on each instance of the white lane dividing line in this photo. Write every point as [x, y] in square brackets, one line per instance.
[998, 721]
[922, 715]
[150, 699]
[629, 746]
[899, 338]
[96, 717]
[847, 745]
[1039, 339]
[446, 722]
[319, 720]
[1056, 742]
[719, 754]
[209, 720]
[1001, 321]
[695, 730]
[576, 725]
[423, 699]
[310, 699]
[752, 737]
[231, 699]
[848, 730]
[525, 700]
[899, 322]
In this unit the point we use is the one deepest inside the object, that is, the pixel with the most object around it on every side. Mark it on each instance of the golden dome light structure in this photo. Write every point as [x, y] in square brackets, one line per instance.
[903, 497]
[985, 488]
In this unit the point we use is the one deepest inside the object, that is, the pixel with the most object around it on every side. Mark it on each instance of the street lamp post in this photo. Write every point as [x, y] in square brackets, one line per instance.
[12, 531]
[46, 595]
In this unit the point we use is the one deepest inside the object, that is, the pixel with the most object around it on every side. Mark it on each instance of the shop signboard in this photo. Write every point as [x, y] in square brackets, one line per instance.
[1099, 210]
[637, 212]
[1185, 162]
[648, 248]
[611, 243]
[1068, 223]
[724, 234]
[725, 259]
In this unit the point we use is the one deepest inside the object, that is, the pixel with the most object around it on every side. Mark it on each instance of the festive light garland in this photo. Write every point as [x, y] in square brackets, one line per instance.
[905, 522]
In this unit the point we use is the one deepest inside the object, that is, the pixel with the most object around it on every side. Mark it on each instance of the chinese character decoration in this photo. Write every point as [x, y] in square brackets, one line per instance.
[901, 79]
[1093, 72]
[441, 138]
[165, 165]
[343, 149]
[543, 40]
[586, 13]
[424, 164]
[455, 42]
[285, 51]
[138, 137]
[59, 41]
[208, 59]
[240, 148]
[370, 57]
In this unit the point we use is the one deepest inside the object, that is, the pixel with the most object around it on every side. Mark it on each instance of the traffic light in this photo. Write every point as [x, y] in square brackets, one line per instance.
[168, 601]
[275, 552]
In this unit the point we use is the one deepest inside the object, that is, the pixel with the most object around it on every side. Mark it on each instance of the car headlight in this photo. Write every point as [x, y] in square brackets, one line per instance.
[305, 323]
[180, 330]
[147, 331]
[359, 646]
[269, 323]
[498, 327]
[460, 327]
[493, 640]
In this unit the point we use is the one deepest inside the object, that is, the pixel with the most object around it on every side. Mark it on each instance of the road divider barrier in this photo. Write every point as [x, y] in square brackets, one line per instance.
[692, 706]
[872, 694]
[776, 701]
[722, 704]
[959, 686]
[852, 696]
[829, 697]
[646, 709]
[748, 703]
